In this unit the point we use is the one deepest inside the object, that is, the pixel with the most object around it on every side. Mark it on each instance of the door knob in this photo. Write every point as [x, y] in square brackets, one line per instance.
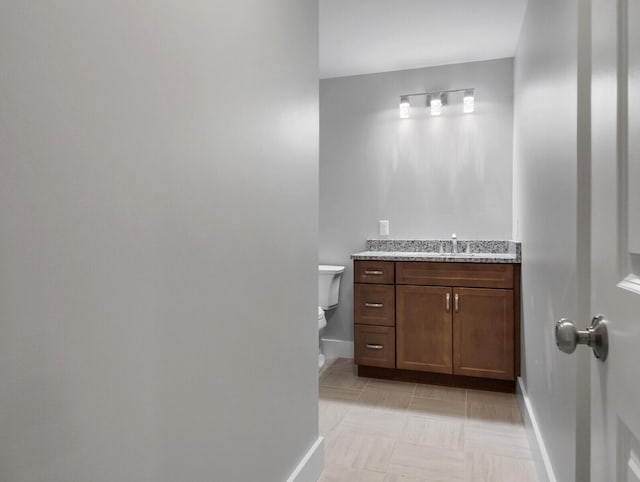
[595, 336]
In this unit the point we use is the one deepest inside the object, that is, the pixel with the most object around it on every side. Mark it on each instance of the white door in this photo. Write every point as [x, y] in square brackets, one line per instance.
[615, 239]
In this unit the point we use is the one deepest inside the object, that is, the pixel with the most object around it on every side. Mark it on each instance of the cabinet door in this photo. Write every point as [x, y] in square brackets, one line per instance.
[483, 335]
[423, 328]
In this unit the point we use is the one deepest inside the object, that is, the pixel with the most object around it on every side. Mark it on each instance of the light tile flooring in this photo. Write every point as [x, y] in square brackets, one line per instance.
[384, 431]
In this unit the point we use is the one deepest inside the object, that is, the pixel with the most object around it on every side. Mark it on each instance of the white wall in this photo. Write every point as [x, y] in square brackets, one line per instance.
[429, 176]
[158, 206]
[551, 217]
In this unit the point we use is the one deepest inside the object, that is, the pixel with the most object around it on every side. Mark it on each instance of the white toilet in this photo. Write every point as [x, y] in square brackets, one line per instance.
[328, 293]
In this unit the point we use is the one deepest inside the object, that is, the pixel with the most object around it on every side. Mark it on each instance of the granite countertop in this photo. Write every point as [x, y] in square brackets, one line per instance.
[470, 251]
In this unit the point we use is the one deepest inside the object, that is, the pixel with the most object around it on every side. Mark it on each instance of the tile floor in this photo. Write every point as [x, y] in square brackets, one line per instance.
[384, 431]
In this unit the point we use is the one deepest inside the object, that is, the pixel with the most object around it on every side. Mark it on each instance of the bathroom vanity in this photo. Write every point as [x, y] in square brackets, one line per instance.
[438, 317]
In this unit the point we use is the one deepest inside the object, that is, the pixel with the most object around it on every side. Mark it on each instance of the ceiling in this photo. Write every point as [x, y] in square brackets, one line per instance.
[367, 36]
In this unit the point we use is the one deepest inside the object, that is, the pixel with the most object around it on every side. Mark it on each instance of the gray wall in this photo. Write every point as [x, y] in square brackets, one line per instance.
[551, 218]
[157, 323]
[429, 176]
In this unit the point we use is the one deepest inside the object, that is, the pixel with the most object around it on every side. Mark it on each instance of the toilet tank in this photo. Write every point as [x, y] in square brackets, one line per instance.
[329, 285]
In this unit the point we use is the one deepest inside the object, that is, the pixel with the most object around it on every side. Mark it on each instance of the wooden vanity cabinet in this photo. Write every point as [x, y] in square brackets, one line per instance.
[456, 319]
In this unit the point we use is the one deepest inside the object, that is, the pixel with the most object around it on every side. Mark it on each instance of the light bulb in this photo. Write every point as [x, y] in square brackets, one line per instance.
[468, 102]
[436, 106]
[405, 106]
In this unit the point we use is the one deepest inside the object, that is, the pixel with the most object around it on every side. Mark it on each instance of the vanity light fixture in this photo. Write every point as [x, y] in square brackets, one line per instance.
[405, 107]
[436, 106]
[436, 100]
[468, 101]
[435, 103]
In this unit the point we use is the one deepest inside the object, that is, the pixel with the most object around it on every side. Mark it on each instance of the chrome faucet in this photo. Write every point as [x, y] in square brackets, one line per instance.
[454, 243]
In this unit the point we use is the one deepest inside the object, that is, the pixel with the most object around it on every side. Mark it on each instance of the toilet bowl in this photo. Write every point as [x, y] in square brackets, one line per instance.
[322, 322]
[328, 294]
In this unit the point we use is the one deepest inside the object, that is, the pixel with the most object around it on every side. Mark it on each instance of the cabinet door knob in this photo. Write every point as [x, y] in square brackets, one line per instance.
[374, 347]
[448, 302]
[456, 302]
[374, 305]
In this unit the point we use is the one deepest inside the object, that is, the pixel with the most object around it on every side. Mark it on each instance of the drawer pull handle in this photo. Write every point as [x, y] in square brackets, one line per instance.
[374, 272]
[456, 302]
[374, 305]
[448, 302]
[374, 347]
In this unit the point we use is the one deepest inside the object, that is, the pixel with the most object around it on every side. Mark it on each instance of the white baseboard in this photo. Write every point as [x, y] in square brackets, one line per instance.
[337, 348]
[311, 465]
[538, 447]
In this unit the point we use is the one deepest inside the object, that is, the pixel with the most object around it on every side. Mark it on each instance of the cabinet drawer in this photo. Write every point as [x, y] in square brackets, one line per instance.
[374, 304]
[375, 346]
[455, 274]
[380, 272]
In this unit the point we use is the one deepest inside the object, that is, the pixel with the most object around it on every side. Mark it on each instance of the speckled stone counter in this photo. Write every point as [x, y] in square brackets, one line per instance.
[469, 251]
